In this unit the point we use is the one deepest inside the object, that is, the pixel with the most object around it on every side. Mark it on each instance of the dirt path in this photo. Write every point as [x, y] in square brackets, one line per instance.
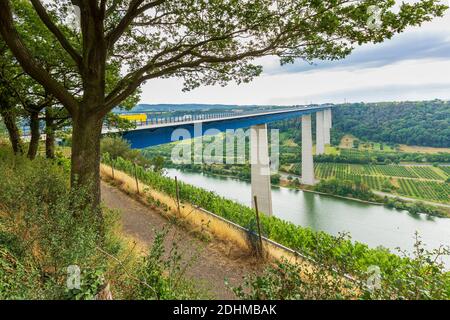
[213, 262]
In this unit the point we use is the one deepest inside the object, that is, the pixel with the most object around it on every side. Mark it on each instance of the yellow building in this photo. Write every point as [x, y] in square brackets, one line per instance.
[140, 117]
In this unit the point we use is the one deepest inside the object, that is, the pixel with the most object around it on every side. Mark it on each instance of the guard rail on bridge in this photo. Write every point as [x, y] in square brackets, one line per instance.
[166, 121]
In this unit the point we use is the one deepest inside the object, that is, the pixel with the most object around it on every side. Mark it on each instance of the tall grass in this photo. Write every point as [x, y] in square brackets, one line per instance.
[45, 228]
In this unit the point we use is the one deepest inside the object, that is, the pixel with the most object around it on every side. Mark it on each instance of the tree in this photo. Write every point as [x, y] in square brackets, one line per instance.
[117, 147]
[26, 97]
[8, 102]
[22, 96]
[157, 164]
[204, 42]
[423, 123]
[55, 119]
[9, 115]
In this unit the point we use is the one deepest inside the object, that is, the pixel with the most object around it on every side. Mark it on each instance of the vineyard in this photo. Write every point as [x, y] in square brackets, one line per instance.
[421, 182]
[446, 170]
[436, 191]
[380, 157]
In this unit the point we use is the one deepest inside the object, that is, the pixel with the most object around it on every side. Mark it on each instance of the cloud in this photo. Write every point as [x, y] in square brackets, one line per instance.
[408, 46]
[376, 93]
[409, 80]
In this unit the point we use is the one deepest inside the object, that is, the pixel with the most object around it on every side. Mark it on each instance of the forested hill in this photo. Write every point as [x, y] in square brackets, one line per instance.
[424, 123]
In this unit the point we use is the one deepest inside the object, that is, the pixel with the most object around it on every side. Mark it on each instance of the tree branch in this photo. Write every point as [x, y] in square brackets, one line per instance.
[133, 11]
[27, 61]
[119, 97]
[45, 18]
[188, 49]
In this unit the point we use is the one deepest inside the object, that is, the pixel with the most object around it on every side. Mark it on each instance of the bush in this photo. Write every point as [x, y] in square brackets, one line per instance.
[275, 179]
[45, 228]
[118, 147]
[302, 280]
[162, 273]
[346, 188]
[415, 207]
[423, 278]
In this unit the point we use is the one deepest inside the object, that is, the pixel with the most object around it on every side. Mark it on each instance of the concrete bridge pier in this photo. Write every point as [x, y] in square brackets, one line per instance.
[260, 168]
[307, 152]
[320, 132]
[327, 126]
[330, 118]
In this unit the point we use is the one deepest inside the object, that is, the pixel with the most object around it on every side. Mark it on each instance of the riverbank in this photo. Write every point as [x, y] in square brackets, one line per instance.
[390, 195]
[375, 225]
[344, 269]
[397, 202]
[341, 197]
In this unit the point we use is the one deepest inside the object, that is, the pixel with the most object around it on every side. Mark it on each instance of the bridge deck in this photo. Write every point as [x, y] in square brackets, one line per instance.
[147, 135]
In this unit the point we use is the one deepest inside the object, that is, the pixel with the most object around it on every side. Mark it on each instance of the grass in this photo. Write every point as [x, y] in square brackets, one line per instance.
[45, 227]
[347, 142]
[425, 150]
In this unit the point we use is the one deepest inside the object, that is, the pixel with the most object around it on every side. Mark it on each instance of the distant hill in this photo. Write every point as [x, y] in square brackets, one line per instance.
[423, 123]
[186, 107]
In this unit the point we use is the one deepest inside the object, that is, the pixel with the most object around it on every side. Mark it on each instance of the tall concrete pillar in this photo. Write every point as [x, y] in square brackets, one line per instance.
[330, 118]
[327, 126]
[307, 152]
[320, 131]
[260, 168]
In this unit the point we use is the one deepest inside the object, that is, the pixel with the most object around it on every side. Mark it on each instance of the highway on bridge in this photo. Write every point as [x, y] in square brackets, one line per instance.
[159, 131]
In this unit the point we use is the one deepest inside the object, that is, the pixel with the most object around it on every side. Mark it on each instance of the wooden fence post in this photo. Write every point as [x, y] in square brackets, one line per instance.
[112, 167]
[177, 190]
[136, 178]
[259, 226]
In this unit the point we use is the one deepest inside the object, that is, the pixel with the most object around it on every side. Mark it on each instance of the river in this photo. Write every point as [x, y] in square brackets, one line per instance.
[366, 223]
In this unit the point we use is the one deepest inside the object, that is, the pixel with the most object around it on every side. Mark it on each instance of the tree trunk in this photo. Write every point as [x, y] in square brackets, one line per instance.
[49, 135]
[35, 135]
[14, 135]
[85, 170]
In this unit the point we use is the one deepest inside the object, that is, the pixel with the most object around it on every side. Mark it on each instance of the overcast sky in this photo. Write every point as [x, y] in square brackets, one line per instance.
[414, 65]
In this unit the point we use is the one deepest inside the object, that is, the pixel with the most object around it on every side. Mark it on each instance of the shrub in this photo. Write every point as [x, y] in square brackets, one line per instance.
[346, 188]
[118, 147]
[162, 273]
[423, 278]
[302, 280]
[45, 228]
